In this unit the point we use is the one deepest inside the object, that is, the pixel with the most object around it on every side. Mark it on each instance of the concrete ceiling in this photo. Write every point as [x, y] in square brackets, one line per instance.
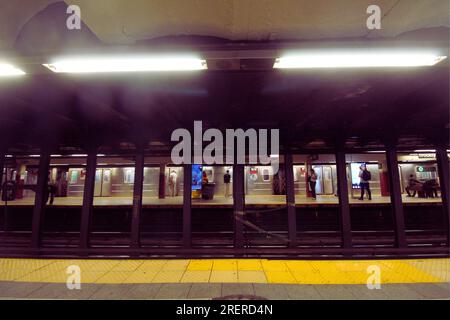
[14, 16]
[125, 22]
[309, 105]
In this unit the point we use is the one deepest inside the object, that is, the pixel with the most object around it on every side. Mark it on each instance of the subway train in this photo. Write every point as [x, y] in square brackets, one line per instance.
[212, 222]
[117, 180]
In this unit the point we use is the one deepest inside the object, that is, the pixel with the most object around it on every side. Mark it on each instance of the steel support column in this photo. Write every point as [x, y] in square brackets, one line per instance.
[344, 207]
[443, 168]
[238, 204]
[162, 181]
[137, 198]
[88, 198]
[40, 198]
[396, 197]
[290, 199]
[187, 202]
[2, 166]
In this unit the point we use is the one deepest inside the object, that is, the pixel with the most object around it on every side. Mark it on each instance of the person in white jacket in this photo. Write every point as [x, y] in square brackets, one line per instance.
[173, 183]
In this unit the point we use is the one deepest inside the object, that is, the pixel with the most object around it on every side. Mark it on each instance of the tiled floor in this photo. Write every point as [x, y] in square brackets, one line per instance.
[229, 291]
[220, 200]
[225, 278]
[227, 271]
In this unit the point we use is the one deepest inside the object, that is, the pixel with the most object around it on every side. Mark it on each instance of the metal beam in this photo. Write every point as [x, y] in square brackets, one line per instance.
[187, 202]
[88, 197]
[443, 168]
[290, 199]
[137, 198]
[40, 198]
[396, 197]
[238, 204]
[344, 207]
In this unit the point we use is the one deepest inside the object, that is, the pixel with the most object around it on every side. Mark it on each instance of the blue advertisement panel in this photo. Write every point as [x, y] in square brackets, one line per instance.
[196, 177]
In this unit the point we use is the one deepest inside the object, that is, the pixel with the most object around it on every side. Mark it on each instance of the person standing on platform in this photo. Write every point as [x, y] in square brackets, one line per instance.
[173, 183]
[364, 181]
[413, 184]
[52, 189]
[226, 181]
[312, 179]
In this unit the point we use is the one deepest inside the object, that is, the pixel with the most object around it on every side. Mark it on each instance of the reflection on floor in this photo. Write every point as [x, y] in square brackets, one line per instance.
[220, 200]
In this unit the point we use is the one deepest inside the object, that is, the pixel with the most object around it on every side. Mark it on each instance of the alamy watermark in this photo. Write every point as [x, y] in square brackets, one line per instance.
[374, 20]
[73, 280]
[235, 143]
[374, 278]
[73, 21]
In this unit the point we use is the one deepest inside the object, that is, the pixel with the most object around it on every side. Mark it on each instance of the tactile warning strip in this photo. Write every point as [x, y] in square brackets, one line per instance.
[228, 270]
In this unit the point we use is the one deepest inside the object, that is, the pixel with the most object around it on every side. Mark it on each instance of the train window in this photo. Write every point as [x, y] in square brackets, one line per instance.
[299, 173]
[128, 176]
[266, 175]
[73, 176]
[106, 175]
[98, 175]
[209, 173]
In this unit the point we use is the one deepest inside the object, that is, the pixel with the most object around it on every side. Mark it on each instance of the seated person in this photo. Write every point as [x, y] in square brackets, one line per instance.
[413, 186]
[430, 188]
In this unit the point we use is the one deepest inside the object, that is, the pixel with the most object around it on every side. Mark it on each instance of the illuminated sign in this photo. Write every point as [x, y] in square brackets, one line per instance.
[354, 169]
[196, 177]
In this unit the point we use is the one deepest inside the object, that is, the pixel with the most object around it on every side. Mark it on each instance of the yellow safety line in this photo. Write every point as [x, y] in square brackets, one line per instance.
[228, 270]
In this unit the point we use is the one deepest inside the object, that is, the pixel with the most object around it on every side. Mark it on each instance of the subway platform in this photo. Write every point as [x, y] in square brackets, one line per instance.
[250, 200]
[226, 279]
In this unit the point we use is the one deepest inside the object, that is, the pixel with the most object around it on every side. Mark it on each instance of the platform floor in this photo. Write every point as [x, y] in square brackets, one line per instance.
[224, 291]
[238, 278]
[222, 201]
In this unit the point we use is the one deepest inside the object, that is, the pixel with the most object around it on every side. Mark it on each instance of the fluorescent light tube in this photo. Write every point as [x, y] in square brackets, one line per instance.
[7, 69]
[125, 64]
[357, 59]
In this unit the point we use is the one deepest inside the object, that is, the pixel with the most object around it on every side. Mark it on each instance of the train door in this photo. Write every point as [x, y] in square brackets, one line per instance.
[61, 182]
[319, 186]
[98, 182]
[174, 181]
[106, 183]
[324, 184]
[102, 183]
[327, 180]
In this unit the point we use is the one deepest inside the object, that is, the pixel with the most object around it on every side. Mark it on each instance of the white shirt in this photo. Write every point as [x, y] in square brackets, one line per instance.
[173, 178]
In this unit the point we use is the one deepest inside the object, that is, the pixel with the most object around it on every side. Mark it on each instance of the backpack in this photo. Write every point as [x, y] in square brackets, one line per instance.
[366, 175]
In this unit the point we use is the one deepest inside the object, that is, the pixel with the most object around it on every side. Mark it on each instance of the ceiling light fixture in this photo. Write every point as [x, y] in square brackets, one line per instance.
[357, 59]
[7, 69]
